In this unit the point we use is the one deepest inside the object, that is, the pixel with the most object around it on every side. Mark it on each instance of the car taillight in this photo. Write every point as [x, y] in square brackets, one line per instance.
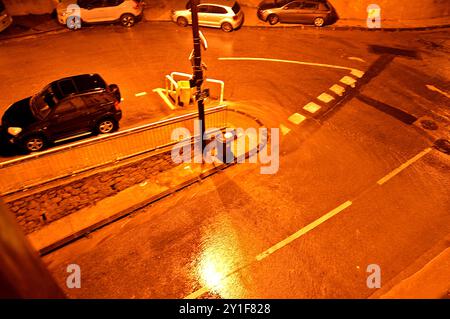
[235, 17]
[117, 105]
[136, 4]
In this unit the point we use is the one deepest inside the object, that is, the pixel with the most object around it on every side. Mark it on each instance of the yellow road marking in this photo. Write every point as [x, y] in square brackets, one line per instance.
[357, 73]
[303, 231]
[339, 90]
[403, 166]
[348, 80]
[435, 89]
[324, 97]
[311, 107]
[162, 93]
[296, 118]
[141, 94]
[284, 129]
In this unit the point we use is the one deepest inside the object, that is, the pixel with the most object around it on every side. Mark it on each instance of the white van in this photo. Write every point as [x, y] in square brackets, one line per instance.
[5, 18]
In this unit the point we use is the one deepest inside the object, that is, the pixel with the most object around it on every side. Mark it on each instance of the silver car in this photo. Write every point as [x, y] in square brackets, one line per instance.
[224, 14]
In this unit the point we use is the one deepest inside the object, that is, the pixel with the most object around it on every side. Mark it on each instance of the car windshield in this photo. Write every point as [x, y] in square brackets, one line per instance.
[42, 103]
[281, 3]
[236, 8]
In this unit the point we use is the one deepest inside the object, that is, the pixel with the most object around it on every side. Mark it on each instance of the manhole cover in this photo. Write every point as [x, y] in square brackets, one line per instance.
[429, 125]
[442, 145]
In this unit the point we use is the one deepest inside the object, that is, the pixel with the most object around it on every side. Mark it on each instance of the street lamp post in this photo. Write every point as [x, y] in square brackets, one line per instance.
[197, 79]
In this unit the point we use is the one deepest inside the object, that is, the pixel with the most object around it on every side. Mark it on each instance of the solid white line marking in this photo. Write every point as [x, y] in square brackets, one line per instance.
[326, 98]
[339, 90]
[162, 93]
[284, 129]
[303, 231]
[356, 59]
[287, 61]
[435, 89]
[311, 107]
[403, 166]
[296, 118]
[348, 80]
[141, 94]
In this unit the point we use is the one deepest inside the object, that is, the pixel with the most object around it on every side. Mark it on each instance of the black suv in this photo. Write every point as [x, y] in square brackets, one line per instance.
[64, 109]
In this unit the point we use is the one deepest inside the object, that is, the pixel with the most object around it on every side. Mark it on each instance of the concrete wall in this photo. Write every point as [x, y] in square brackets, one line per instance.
[23, 7]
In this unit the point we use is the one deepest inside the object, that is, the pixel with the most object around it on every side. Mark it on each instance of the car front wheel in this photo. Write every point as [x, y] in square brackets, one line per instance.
[319, 22]
[273, 19]
[182, 21]
[227, 27]
[106, 126]
[34, 144]
[128, 20]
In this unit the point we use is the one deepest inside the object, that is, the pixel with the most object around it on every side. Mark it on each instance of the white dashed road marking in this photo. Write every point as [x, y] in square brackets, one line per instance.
[141, 94]
[403, 166]
[284, 129]
[435, 89]
[324, 97]
[296, 118]
[311, 107]
[348, 80]
[303, 231]
[339, 90]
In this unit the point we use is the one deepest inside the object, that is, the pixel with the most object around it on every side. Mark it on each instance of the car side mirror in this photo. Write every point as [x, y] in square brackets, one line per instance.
[48, 98]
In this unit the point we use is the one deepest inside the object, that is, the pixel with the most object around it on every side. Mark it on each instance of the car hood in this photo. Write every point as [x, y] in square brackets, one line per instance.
[19, 114]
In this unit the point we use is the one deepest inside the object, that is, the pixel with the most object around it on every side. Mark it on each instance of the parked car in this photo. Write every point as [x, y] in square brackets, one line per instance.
[64, 109]
[317, 12]
[127, 12]
[224, 14]
[5, 18]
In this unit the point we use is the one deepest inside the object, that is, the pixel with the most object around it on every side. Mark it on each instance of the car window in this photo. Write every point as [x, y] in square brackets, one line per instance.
[294, 5]
[309, 6]
[113, 3]
[97, 99]
[70, 106]
[91, 3]
[217, 10]
[236, 8]
[67, 87]
[202, 9]
[84, 84]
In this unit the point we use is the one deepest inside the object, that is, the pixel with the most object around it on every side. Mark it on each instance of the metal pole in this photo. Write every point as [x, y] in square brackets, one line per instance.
[197, 78]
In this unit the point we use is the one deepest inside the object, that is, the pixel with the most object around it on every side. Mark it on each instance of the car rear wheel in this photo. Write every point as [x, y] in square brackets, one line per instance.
[319, 22]
[227, 27]
[182, 21]
[34, 143]
[128, 20]
[273, 19]
[106, 126]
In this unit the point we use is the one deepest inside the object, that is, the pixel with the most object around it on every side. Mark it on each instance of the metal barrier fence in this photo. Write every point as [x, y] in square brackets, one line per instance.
[63, 161]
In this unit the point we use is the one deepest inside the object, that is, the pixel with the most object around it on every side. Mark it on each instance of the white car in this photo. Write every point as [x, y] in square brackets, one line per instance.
[5, 18]
[127, 12]
[224, 14]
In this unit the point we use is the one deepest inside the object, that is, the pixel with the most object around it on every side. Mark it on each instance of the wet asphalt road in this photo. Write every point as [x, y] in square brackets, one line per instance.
[208, 239]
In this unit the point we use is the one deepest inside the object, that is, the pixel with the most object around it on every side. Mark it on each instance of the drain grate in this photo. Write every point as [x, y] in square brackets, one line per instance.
[429, 125]
[442, 145]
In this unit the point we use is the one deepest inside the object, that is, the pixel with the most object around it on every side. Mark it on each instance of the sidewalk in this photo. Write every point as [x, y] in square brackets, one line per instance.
[165, 182]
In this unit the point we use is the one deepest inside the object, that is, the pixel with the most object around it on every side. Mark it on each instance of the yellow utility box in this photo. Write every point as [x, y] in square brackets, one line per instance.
[184, 93]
